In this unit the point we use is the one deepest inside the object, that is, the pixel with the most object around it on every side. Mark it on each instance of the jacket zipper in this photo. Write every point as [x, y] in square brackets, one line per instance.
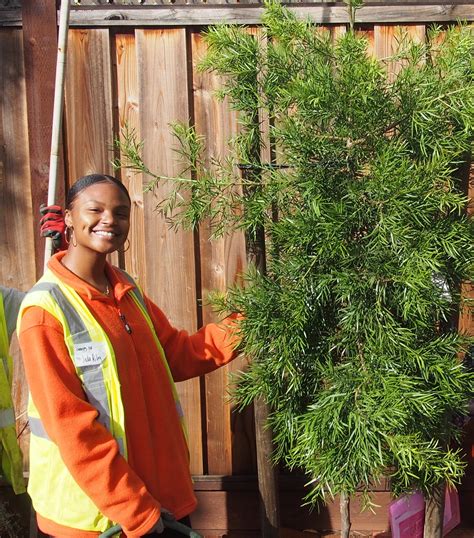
[123, 319]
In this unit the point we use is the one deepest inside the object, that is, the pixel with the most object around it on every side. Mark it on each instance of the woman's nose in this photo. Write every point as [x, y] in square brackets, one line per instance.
[107, 217]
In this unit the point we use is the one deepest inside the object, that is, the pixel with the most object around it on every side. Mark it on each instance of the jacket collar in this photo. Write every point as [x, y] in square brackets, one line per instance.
[119, 284]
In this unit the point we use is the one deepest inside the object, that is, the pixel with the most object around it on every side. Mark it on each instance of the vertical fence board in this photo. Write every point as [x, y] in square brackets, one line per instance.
[387, 40]
[170, 263]
[16, 217]
[222, 262]
[128, 109]
[89, 127]
[40, 52]
[338, 31]
[368, 34]
[466, 318]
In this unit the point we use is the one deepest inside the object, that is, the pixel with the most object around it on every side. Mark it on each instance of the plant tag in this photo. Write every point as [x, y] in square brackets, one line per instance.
[407, 516]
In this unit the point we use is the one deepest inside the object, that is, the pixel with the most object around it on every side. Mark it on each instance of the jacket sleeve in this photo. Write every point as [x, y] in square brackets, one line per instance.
[197, 354]
[87, 448]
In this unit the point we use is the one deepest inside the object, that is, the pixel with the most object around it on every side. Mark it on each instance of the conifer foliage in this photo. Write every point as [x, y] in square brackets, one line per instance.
[351, 329]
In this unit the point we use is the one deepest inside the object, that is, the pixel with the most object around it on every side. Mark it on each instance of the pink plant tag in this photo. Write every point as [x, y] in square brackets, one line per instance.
[452, 514]
[407, 516]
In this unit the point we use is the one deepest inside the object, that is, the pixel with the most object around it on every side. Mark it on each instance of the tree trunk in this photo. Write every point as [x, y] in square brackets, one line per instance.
[434, 513]
[267, 474]
[345, 510]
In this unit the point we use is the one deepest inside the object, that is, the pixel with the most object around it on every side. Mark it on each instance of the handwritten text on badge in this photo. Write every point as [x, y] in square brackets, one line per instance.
[89, 353]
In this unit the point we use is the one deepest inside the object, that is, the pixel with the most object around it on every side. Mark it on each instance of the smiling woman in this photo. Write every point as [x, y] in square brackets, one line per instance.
[97, 219]
[108, 442]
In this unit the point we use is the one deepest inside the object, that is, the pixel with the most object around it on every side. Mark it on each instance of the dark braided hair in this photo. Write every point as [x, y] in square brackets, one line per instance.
[86, 181]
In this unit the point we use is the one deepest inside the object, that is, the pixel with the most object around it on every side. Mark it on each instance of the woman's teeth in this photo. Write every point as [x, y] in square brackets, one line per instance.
[105, 234]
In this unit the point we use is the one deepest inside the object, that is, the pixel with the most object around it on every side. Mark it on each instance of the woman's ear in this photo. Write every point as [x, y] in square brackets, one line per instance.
[67, 218]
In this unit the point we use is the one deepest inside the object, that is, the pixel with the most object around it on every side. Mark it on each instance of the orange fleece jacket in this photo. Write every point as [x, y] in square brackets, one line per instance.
[157, 471]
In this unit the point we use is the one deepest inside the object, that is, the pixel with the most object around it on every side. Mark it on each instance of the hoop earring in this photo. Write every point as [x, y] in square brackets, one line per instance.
[125, 249]
[72, 238]
[67, 235]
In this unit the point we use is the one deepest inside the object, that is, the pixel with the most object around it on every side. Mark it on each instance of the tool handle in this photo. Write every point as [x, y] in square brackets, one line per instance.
[183, 529]
[57, 112]
[169, 524]
[111, 532]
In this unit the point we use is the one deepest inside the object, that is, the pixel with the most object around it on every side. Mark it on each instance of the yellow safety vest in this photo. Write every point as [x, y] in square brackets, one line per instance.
[53, 490]
[10, 454]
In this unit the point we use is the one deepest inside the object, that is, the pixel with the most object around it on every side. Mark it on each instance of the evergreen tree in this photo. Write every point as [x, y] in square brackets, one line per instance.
[351, 329]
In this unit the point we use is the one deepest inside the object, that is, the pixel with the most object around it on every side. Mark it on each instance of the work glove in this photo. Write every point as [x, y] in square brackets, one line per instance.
[52, 225]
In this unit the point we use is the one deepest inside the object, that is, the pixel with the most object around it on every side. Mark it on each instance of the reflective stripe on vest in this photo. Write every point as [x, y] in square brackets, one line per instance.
[11, 459]
[6, 367]
[93, 379]
[37, 428]
[7, 418]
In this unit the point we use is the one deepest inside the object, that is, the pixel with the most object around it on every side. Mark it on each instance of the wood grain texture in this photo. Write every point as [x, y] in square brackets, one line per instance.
[238, 510]
[11, 17]
[368, 33]
[222, 264]
[128, 111]
[40, 52]
[9, 4]
[337, 31]
[387, 39]
[203, 14]
[170, 262]
[466, 318]
[17, 221]
[182, 13]
[89, 126]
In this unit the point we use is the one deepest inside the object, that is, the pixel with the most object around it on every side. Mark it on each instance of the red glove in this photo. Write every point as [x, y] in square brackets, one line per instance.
[52, 225]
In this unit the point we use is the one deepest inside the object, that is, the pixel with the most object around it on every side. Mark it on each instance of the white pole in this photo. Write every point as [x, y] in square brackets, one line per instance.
[57, 111]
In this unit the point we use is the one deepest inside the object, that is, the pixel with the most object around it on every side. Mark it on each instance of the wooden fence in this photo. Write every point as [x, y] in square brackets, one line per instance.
[119, 74]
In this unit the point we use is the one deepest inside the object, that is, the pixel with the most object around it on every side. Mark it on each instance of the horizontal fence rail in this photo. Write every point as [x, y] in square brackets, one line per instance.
[144, 3]
[199, 12]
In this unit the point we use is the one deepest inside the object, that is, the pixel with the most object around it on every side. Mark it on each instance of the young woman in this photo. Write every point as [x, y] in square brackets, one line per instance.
[107, 444]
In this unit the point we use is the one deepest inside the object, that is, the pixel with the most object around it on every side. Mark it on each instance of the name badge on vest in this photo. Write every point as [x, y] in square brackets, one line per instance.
[89, 353]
